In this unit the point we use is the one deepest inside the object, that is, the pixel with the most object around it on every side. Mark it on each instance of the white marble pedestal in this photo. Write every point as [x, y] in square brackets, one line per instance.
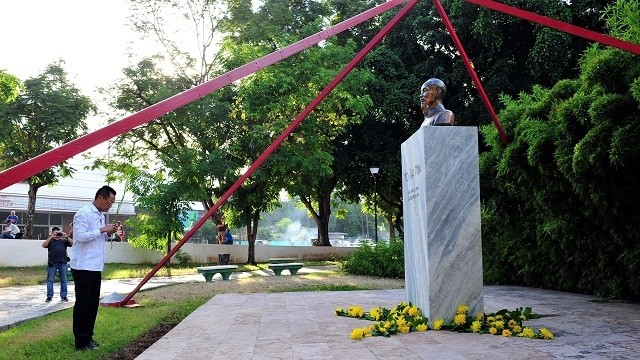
[441, 204]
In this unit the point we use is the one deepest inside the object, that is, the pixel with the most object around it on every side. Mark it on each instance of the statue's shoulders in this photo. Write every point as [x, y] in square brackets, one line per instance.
[444, 117]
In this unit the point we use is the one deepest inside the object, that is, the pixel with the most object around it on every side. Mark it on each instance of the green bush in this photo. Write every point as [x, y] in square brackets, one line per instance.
[383, 259]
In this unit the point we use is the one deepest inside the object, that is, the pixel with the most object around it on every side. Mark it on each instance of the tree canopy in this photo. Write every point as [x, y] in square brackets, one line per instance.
[42, 114]
[559, 202]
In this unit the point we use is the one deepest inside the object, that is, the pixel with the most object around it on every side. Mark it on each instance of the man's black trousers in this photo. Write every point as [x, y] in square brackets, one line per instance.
[87, 286]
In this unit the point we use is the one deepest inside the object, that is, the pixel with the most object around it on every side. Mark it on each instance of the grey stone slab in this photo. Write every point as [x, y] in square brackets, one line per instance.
[441, 208]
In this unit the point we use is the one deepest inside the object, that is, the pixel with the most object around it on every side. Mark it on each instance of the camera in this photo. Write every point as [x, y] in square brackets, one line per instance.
[59, 233]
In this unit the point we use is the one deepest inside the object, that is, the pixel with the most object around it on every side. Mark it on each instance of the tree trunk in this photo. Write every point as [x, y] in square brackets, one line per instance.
[399, 226]
[252, 233]
[324, 207]
[392, 236]
[321, 217]
[31, 210]
[168, 263]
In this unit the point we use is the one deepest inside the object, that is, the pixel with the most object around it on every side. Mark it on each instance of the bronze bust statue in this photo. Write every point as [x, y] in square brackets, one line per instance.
[431, 94]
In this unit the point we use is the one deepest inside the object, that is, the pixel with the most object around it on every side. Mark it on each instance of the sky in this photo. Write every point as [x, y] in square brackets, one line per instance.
[91, 36]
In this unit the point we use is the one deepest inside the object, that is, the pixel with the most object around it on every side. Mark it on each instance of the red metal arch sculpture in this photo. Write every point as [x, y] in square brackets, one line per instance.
[68, 150]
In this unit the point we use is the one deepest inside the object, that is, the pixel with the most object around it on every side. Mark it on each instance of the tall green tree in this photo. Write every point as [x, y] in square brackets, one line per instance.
[199, 148]
[273, 97]
[10, 87]
[509, 54]
[560, 201]
[48, 112]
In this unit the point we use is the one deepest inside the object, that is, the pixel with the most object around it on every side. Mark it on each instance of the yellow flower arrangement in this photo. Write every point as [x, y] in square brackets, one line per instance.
[545, 334]
[517, 329]
[375, 313]
[476, 326]
[460, 319]
[527, 332]
[355, 311]
[406, 318]
[404, 329]
[357, 334]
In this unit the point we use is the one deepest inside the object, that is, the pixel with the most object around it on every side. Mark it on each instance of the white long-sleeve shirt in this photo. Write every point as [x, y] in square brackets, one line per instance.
[87, 252]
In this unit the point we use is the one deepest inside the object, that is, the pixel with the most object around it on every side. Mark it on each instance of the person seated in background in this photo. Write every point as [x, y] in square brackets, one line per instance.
[228, 239]
[13, 217]
[222, 229]
[10, 230]
[120, 231]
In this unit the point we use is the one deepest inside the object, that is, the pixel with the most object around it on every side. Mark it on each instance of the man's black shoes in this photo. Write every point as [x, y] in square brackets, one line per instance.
[48, 299]
[94, 343]
[90, 346]
[64, 299]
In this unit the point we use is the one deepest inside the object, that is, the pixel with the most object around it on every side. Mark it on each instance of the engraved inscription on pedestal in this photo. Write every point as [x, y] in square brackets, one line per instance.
[441, 204]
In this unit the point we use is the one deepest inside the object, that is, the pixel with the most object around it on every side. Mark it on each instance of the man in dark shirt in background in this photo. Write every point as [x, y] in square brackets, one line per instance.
[57, 244]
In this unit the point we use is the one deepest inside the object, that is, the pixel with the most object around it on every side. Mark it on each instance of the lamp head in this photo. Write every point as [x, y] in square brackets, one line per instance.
[374, 170]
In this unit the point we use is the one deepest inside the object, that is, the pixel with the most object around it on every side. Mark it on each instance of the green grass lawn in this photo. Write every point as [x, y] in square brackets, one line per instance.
[51, 337]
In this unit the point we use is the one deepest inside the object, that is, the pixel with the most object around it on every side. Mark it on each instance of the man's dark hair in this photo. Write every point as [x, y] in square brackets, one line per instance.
[55, 228]
[105, 191]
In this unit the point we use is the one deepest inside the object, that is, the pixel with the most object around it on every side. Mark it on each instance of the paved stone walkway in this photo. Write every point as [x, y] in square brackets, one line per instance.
[302, 325]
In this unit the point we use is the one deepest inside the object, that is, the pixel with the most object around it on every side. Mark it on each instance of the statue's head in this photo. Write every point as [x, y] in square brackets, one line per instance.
[441, 89]
[431, 93]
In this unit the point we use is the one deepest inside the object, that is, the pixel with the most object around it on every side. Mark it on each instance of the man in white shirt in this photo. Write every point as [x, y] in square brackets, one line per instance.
[10, 230]
[87, 262]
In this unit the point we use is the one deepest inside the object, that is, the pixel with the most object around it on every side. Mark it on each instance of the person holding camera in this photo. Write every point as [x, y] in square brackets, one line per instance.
[57, 244]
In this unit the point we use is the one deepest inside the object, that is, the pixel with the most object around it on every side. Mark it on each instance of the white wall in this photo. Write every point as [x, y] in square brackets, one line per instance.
[31, 253]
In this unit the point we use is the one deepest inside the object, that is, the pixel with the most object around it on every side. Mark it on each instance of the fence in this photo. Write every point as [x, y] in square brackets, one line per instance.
[27, 252]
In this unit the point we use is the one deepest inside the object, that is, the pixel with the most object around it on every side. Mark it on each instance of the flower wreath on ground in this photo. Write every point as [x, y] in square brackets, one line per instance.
[406, 318]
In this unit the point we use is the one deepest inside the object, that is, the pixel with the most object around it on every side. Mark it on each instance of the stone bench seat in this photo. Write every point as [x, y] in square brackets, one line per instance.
[282, 260]
[292, 267]
[209, 271]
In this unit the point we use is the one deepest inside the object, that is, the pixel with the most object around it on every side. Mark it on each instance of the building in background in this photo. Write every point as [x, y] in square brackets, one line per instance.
[56, 205]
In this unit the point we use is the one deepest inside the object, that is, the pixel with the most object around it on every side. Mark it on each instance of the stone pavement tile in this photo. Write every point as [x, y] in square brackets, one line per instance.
[311, 351]
[312, 330]
[351, 354]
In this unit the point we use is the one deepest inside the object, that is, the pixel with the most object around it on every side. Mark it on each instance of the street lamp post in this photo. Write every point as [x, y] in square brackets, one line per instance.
[374, 171]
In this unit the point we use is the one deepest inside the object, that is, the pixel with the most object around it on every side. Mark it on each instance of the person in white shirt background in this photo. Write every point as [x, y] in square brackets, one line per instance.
[87, 262]
[10, 230]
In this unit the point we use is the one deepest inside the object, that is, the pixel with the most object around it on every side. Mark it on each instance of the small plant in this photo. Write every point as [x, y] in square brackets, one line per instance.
[383, 259]
[182, 257]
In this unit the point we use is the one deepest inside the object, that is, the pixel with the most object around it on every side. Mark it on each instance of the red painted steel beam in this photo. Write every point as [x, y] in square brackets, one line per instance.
[307, 110]
[470, 69]
[559, 25]
[53, 157]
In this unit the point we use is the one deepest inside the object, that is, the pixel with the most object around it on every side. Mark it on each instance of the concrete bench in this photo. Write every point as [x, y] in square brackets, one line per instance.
[224, 270]
[282, 260]
[292, 267]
